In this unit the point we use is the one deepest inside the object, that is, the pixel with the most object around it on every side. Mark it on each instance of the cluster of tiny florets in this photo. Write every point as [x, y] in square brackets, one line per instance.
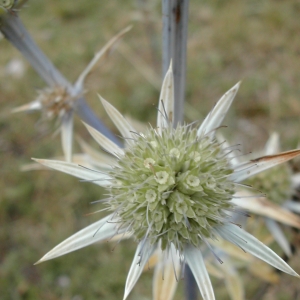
[7, 4]
[172, 187]
[55, 101]
[275, 183]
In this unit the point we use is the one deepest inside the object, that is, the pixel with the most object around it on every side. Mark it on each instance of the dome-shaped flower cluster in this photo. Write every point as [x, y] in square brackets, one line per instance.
[172, 187]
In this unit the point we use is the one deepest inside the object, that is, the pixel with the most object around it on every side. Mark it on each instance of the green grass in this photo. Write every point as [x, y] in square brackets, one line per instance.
[253, 41]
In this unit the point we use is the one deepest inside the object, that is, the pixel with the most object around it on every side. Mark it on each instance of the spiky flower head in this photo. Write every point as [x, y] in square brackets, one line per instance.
[10, 7]
[7, 6]
[275, 183]
[170, 188]
[60, 100]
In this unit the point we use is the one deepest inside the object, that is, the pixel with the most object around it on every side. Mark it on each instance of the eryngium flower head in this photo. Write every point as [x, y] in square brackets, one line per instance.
[7, 6]
[60, 100]
[277, 205]
[276, 183]
[170, 189]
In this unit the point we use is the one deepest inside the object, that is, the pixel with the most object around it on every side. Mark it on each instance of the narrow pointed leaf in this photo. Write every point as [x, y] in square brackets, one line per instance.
[164, 280]
[232, 251]
[142, 254]
[77, 171]
[217, 114]
[81, 159]
[104, 51]
[266, 208]
[272, 145]
[34, 105]
[124, 127]
[153, 260]
[195, 261]
[165, 115]
[232, 151]
[279, 236]
[121, 237]
[104, 142]
[96, 232]
[67, 135]
[249, 243]
[292, 205]
[296, 180]
[248, 169]
[99, 158]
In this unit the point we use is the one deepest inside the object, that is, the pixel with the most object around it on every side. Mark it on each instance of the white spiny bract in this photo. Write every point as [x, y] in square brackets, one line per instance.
[170, 188]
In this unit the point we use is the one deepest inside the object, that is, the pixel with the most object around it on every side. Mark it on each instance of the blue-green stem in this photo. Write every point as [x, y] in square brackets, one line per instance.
[174, 45]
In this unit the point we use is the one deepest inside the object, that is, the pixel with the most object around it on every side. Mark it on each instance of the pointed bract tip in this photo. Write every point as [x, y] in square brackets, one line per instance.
[103, 101]
[87, 125]
[37, 159]
[38, 262]
[125, 295]
[293, 273]
[126, 29]
[236, 87]
[17, 110]
[170, 66]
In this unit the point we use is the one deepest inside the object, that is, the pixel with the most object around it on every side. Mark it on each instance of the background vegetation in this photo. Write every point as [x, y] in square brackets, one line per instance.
[256, 41]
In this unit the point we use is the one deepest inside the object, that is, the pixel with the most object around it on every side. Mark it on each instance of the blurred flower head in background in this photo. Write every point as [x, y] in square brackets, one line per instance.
[278, 186]
[61, 99]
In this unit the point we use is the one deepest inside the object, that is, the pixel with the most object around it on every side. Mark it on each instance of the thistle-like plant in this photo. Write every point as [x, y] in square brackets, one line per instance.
[170, 189]
[61, 99]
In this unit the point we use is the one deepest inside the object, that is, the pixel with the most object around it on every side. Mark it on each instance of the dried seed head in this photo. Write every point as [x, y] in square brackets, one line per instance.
[56, 101]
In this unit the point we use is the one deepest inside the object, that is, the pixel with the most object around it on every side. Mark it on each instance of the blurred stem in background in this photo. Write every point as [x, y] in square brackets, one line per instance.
[15, 32]
[174, 44]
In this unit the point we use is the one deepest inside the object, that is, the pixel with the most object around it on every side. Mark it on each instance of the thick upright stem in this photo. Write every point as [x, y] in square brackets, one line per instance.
[175, 25]
[174, 44]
